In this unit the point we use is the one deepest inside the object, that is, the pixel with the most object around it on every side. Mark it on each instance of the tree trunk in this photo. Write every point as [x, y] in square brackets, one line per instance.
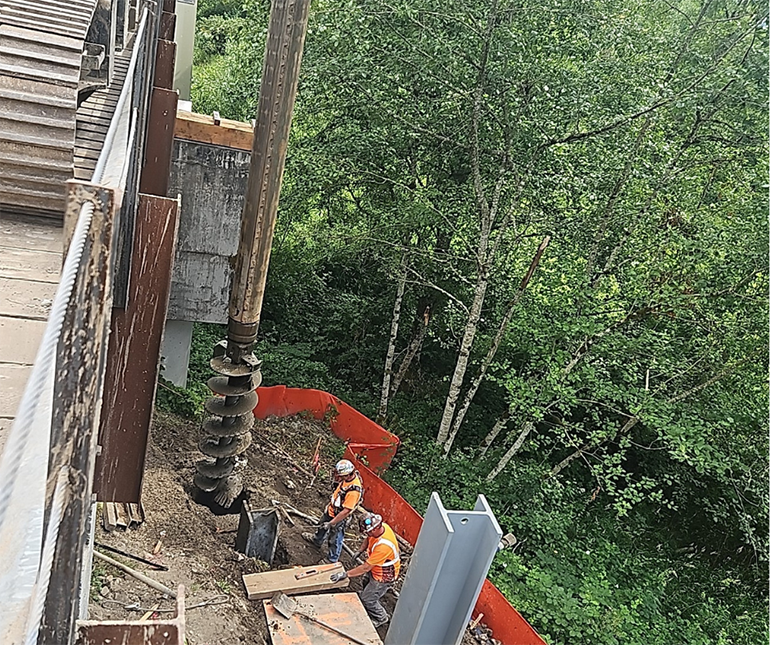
[495, 345]
[388, 372]
[492, 434]
[418, 337]
[525, 430]
[462, 359]
[484, 256]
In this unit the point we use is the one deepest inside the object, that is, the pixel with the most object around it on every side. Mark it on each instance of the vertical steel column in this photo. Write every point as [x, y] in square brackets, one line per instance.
[445, 576]
[227, 432]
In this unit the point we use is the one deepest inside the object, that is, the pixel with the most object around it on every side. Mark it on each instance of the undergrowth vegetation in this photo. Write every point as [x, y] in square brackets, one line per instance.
[618, 423]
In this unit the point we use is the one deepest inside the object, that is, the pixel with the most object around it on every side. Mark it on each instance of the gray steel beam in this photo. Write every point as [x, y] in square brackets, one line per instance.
[445, 576]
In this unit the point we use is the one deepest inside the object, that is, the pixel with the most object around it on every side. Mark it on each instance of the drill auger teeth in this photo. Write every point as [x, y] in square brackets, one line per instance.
[240, 425]
[229, 488]
[218, 405]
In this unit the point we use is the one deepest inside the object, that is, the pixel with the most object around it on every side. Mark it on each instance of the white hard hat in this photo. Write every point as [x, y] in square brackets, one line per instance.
[370, 521]
[344, 467]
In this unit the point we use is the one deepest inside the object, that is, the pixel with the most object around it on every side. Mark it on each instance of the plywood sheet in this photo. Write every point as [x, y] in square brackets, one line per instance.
[341, 610]
[264, 585]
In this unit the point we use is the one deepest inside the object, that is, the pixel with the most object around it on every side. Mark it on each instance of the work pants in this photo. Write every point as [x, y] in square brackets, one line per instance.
[335, 536]
[373, 591]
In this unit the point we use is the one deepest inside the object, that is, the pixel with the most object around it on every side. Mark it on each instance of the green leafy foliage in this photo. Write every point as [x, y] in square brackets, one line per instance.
[635, 136]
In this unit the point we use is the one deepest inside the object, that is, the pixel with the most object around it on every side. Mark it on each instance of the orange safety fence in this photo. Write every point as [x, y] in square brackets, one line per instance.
[371, 448]
[376, 445]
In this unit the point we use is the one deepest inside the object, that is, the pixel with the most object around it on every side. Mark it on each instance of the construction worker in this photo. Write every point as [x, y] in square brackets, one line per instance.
[381, 567]
[348, 495]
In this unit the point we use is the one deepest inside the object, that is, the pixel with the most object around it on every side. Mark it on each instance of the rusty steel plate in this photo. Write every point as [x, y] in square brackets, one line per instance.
[342, 610]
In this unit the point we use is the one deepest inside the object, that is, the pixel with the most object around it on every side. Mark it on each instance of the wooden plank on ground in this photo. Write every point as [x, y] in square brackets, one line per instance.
[134, 517]
[264, 585]
[341, 610]
[109, 517]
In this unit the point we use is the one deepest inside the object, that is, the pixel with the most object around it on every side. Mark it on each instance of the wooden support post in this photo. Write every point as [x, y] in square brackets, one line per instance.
[167, 26]
[80, 367]
[160, 142]
[164, 64]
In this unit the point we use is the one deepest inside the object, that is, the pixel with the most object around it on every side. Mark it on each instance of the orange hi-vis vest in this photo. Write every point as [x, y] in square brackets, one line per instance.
[346, 495]
[384, 556]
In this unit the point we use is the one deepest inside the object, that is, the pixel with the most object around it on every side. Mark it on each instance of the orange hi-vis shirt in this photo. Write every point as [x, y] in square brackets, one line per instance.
[346, 495]
[384, 556]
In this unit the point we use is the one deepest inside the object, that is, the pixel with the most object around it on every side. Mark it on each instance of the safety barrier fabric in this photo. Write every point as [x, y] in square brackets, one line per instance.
[375, 446]
[371, 448]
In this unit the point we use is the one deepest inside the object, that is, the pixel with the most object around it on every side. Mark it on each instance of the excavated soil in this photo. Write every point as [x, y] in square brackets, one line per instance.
[198, 547]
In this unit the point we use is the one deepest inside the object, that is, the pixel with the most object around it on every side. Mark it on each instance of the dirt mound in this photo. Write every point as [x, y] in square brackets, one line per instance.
[198, 547]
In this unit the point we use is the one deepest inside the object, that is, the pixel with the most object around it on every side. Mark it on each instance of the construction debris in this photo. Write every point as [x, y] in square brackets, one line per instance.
[155, 565]
[116, 515]
[482, 633]
[135, 574]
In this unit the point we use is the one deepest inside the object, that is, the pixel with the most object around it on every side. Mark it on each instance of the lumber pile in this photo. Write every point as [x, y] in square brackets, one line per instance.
[122, 516]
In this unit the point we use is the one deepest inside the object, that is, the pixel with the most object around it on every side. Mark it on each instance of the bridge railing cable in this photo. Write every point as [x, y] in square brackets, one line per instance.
[30, 516]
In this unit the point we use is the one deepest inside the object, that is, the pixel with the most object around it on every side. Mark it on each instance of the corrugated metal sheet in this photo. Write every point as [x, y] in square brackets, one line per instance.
[41, 42]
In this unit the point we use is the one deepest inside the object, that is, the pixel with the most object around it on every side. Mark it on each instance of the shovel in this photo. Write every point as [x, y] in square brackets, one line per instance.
[287, 607]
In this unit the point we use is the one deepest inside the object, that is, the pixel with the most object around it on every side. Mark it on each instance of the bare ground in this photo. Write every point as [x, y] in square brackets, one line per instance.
[198, 546]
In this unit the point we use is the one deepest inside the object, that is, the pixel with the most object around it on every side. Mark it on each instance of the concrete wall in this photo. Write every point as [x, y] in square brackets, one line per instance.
[212, 182]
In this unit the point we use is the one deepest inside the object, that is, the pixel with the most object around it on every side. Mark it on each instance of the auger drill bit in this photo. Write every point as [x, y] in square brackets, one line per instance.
[227, 433]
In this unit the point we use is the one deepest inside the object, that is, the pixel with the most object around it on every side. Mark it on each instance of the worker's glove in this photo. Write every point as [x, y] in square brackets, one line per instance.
[325, 526]
[360, 556]
[337, 577]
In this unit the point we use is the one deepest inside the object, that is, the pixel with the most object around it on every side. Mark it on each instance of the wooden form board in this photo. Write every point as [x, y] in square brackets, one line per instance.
[264, 585]
[201, 128]
[341, 610]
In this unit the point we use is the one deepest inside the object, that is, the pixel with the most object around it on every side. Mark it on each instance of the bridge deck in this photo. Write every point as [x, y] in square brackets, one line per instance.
[30, 261]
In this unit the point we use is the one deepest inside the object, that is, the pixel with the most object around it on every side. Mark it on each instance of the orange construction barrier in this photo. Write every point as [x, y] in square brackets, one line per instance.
[376, 445]
[371, 448]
